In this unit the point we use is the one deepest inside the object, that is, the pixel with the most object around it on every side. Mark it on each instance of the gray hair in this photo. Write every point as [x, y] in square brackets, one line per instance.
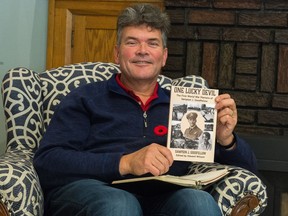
[140, 14]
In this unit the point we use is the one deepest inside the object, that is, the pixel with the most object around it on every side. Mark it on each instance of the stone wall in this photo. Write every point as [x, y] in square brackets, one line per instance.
[240, 47]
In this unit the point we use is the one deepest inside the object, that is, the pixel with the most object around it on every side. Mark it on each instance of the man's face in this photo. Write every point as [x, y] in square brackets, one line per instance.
[192, 122]
[141, 53]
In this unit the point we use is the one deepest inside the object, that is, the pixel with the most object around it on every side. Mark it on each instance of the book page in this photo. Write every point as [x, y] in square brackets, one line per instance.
[192, 180]
[192, 124]
[206, 178]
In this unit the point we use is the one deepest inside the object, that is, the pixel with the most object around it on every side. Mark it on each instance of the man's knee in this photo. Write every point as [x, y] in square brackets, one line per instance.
[197, 197]
[120, 203]
[89, 197]
[197, 202]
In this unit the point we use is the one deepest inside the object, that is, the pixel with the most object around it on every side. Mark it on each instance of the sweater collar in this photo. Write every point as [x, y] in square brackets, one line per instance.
[163, 94]
[138, 99]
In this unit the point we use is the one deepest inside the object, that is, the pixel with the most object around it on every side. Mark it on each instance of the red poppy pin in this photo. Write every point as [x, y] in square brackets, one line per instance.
[160, 130]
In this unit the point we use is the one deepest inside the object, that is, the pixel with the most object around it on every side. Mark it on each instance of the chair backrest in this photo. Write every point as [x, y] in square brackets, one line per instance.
[30, 98]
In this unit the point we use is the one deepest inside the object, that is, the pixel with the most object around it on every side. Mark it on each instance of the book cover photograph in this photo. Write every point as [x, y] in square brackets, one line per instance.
[192, 124]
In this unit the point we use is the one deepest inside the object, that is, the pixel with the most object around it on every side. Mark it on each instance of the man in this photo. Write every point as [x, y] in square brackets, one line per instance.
[206, 142]
[193, 132]
[114, 129]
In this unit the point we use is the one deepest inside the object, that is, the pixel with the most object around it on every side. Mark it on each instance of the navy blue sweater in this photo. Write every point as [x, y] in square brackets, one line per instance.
[98, 123]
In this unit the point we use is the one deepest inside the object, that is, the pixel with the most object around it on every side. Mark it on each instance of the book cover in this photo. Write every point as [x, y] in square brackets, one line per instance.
[192, 124]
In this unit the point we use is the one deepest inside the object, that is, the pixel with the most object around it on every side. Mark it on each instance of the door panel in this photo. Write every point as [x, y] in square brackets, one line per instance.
[82, 30]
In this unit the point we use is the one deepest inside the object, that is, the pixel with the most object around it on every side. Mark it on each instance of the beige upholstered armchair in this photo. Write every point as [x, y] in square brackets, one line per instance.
[29, 101]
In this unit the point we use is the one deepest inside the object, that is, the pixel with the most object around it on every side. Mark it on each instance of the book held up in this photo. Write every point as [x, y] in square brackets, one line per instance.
[191, 137]
[192, 124]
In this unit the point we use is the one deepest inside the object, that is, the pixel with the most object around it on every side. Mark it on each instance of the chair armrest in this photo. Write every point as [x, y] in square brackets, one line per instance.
[23, 109]
[239, 193]
[19, 186]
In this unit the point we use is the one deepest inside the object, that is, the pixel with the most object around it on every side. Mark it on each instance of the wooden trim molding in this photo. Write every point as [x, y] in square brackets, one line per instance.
[3, 209]
[245, 205]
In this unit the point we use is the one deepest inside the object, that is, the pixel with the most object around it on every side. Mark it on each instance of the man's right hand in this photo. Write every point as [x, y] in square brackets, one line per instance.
[155, 159]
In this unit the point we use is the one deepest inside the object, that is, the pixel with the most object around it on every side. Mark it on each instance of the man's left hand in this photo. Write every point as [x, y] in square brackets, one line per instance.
[226, 119]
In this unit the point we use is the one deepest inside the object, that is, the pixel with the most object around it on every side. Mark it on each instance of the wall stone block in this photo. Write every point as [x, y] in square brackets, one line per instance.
[247, 35]
[263, 19]
[204, 33]
[226, 75]
[245, 99]
[211, 17]
[282, 82]
[281, 36]
[176, 16]
[276, 4]
[194, 58]
[174, 63]
[178, 32]
[280, 101]
[247, 116]
[246, 66]
[275, 118]
[259, 130]
[248, 50]
[176, 47]
[244, 82]
[243, 4]
[188, 3]
[268, 68]
[210, 63]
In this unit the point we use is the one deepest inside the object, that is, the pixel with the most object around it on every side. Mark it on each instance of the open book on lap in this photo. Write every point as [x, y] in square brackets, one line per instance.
[166, 183]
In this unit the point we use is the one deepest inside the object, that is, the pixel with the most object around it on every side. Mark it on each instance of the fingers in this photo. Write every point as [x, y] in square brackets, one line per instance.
[154, 159]
[160, 160]
[225, 100]
[158, 167]
[166, 153]
[226, 106]
[227, 116]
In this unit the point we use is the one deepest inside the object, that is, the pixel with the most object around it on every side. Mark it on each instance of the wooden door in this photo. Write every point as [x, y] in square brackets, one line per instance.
[83, 30]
